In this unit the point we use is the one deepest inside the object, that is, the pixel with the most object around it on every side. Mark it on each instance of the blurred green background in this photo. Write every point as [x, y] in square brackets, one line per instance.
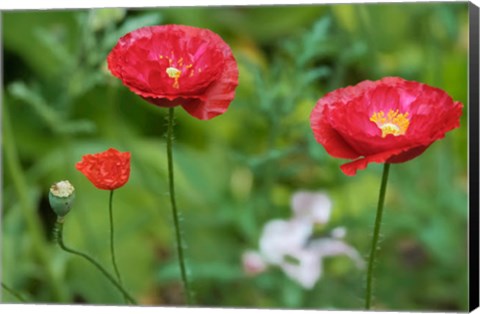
[237, 171]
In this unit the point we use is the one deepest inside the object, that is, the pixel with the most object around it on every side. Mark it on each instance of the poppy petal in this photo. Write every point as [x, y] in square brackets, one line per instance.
[387, 121]
[177, 65]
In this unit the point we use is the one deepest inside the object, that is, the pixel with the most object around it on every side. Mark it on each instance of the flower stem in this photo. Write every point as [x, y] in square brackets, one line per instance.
[14, 293]
[376, 233]
[59, 237]
[112, 246]
[176, 216]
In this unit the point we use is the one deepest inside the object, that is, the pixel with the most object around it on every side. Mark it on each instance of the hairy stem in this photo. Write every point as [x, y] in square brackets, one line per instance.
[59, 236]
[112, 241]
[376, 234]
[176, 215]
[17, 295]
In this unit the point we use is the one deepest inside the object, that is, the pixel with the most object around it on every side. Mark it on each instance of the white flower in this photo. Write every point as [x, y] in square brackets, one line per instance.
[281, 237]
[304, 266]
[312, 206]
[285, 243]
[253, 263]
[339, 232]
[332, 247]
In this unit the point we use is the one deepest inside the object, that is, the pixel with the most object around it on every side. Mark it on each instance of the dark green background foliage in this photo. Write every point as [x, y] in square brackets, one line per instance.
[234, 172]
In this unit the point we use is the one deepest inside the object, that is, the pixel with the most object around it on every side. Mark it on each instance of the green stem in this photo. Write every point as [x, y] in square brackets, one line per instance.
[112, 246]
[376, 234]
[176, 218]
[270, 173]
[14, 293]
[59, 236]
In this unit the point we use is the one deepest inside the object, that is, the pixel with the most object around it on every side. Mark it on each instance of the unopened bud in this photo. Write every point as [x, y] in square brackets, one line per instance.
[61, 197]
[253, 263]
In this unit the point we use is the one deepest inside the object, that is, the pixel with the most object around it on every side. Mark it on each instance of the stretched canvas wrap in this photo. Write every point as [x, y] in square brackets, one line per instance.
[255, 157]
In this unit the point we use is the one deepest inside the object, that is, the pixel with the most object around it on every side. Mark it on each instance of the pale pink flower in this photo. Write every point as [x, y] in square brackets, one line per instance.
[313, 206]
[253, 263]
[339, 232]
[333, 247]
[304, 267]
[288, 243]
[281, 237]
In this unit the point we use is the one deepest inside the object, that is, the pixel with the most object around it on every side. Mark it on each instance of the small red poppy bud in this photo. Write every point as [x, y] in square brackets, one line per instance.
[108, 170]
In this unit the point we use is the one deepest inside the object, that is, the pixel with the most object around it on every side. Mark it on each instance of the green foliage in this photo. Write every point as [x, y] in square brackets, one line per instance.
[235, 172]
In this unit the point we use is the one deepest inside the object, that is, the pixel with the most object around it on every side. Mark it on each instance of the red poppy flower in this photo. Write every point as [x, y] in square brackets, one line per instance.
[108, 170]
[174, 65]
[387, 121]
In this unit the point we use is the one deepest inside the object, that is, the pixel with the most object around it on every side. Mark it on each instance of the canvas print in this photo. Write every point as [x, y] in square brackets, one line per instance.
[271, 157]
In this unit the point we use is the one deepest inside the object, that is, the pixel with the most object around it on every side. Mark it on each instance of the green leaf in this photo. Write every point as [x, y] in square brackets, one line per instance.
[130, 24]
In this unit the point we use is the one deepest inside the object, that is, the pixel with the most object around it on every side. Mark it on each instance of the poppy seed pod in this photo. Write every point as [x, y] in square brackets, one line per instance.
[61, 197]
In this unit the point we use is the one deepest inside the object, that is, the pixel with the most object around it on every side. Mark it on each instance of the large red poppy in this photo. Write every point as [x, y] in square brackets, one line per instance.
[387, 121]
[108, 170]
[174, 65]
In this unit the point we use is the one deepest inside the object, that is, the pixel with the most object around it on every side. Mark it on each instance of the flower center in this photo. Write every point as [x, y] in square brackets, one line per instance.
[175, 74]
[175, 69]
[62, 189]
[394, 123]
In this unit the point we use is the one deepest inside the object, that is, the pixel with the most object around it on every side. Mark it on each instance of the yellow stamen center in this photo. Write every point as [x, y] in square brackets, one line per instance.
[394, 123]
[175, 74]
[176, 68]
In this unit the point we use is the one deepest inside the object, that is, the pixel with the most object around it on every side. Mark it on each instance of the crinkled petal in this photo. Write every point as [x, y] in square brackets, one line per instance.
[219, 96]
[390, 156]
[326, 135]
[346, 121]
[108, 170]
[177, 65]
